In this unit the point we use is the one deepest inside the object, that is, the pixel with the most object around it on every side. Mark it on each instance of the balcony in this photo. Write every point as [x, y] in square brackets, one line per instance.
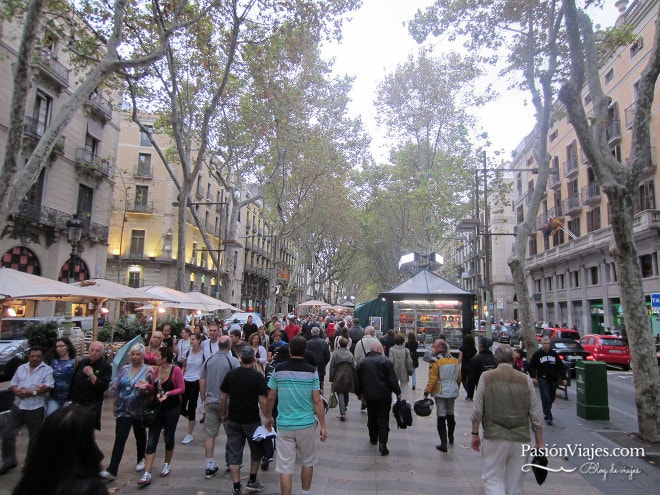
[98, 108]
[571, 205]
[48, 217]
[143, 170]
[591, 194]
[52, 69]
[141, 207]
[92, 165]
[570, 167]
[554, 181]
[629, 115]
[614, 132]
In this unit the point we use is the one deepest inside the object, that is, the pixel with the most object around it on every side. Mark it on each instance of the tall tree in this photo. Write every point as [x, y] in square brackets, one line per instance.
[620, 182]
[525, 38]
[102, 41]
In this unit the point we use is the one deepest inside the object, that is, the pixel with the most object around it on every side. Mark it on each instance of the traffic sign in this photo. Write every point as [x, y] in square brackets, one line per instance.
[655, 300]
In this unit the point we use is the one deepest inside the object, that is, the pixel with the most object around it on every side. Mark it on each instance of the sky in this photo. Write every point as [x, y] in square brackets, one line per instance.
[376, 40]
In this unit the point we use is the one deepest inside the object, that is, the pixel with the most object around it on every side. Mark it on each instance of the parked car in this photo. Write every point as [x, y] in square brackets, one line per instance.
[609, 349]
[570, 351]
[559, 333]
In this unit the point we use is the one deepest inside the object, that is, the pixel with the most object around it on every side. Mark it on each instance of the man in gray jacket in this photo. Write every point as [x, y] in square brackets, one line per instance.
[214, 370]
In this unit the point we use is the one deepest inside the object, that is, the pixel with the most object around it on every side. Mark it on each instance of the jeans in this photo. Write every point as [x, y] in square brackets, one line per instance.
[54, 404]
[378, 419]
[342, 400]
[548, 390]
[122, 429]
[167, 420]
[15, 421]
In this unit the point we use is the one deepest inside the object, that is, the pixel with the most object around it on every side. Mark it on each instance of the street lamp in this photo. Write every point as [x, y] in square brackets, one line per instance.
[74, 233]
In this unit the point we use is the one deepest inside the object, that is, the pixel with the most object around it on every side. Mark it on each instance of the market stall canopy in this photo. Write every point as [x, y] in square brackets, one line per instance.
[425, 285]
[211, 301]
[159, 294]
[314, 302]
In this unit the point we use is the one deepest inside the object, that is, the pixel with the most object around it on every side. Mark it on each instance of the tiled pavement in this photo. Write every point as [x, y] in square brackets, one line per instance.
[348, 463]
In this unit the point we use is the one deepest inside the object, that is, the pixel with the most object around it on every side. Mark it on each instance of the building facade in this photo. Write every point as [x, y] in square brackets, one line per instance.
[571, 275]
[77, 180]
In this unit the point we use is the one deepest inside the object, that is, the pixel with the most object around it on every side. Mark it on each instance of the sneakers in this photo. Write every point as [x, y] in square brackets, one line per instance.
[145, 480]
[237, 491]
[210, 473]
[107, 476]
[187, 439]
[165, 471]
[139, 466]
[255, 486]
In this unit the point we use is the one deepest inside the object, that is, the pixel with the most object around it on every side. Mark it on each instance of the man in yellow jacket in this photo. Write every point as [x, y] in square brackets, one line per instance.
[444, 382]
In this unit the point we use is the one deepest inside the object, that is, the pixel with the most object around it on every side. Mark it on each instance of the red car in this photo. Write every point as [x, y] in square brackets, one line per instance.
[559, 333]
[609, 349]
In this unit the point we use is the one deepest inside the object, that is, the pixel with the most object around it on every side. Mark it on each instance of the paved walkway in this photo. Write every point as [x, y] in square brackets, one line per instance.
[348, 463]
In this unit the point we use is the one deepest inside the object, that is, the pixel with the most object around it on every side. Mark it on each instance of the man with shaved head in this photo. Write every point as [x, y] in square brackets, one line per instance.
[376, 380]
[91, 378]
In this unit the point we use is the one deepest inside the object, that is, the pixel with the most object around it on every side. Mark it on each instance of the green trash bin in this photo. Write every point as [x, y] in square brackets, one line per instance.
[592, 400]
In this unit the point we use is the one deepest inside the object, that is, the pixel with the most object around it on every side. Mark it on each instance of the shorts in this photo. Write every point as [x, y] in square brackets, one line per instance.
[237, 434]
[303, 440]
[213, 420]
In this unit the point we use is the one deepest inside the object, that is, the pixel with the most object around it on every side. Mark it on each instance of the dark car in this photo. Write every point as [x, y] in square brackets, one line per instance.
[507, 335]
[570, 351]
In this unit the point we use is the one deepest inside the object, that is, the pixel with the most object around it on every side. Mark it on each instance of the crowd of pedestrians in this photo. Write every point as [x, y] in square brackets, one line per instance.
[269, 378]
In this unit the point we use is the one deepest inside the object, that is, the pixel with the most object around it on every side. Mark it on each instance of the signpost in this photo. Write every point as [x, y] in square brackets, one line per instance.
[655, 300]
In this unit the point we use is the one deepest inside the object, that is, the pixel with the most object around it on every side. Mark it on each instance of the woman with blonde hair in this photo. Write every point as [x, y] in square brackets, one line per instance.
[261, 356]
[153, 350]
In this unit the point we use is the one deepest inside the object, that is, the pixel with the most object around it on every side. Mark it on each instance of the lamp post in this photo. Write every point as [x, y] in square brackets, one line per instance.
[74, 233]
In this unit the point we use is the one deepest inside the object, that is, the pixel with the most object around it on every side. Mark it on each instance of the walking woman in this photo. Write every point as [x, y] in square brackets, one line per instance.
[342, 373]
[466, 352]
[183, 346]
[193, 361]
[63, 364]
[261, 356]
[169, 388]
[153, 351]
[129, 388]
[412, 345]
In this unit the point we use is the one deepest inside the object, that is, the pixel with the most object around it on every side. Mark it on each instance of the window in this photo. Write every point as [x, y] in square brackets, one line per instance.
[558, 238]
[546, 242]
[134, 279]
[610, 273]
[553, 135]
[646, 197]
[141, 198]
[616, 153]
[593, 219]
[646, 265]
[209, 193]
[92, 145]
[532, 246]
[561, 281]
[609, 76]
[519, 184]
[593, 275]
[85, 201]
[144, 165]
[574, 226]
[43, 106]
[537, 285]
[144, 135]
[137, 243]
[199, 190]
[35, 193]
[520, 214]
[207, 221]
[548, 284]
[636, 47]
[194, 252]
[575, 279]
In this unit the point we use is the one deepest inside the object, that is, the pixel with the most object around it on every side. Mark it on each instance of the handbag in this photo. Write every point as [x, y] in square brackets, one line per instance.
[333, 401]
[150, 412]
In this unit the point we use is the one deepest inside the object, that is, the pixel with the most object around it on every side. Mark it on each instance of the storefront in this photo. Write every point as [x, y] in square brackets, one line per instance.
[430, 306]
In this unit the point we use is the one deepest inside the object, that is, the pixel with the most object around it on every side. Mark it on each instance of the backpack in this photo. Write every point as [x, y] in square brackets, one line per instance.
[402, 414]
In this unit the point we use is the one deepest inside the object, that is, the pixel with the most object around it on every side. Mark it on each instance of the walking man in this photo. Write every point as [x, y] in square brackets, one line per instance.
[376, 380]
[295, 386]
[244, 391]
[484, 360]
[355, 332]
[546, 369]
[30, 384]
[319, 347]
[91, 378]
[506, 404]
[210, 346]
[213, 372]
[444, 382]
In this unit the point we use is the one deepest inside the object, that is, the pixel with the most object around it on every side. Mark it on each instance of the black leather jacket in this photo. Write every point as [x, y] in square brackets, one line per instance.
[375, 377]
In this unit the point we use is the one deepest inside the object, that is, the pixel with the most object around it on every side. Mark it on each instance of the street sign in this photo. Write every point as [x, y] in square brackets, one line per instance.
[655, 300]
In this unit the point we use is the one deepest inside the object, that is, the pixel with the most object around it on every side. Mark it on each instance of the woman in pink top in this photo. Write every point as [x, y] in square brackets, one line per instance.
[153, 349]
[168, 387]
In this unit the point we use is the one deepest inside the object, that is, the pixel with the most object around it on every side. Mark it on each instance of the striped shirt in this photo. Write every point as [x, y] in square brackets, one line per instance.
[295, 382]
